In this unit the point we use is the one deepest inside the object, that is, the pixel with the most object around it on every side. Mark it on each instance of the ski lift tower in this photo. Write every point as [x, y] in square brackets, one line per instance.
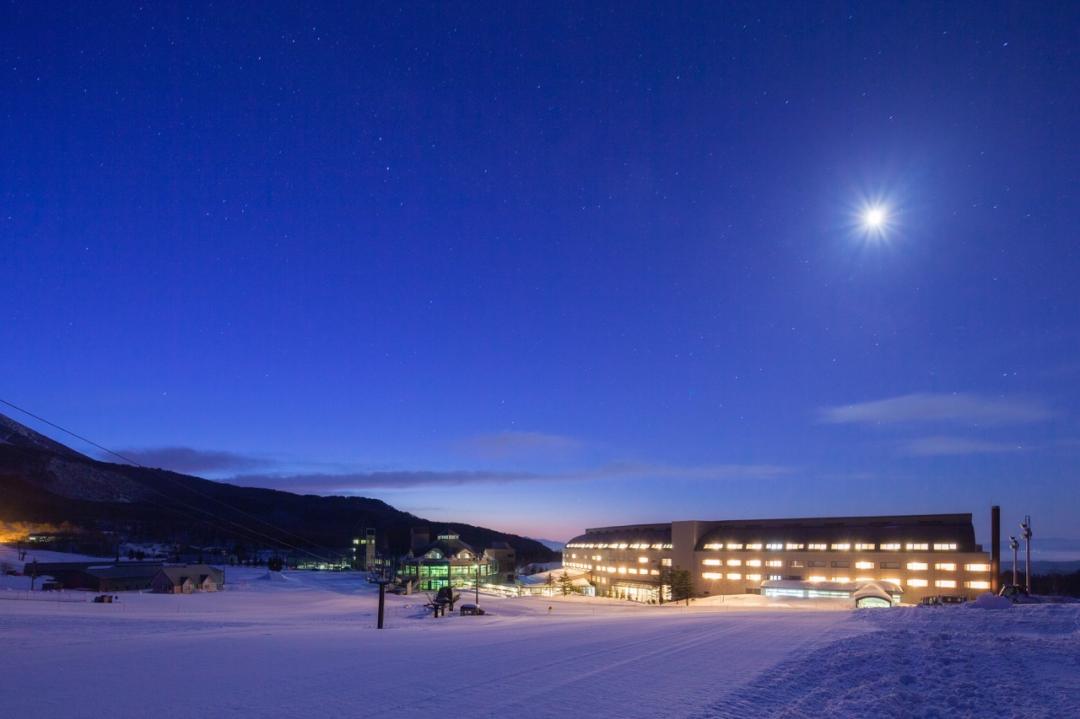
[1025, 526]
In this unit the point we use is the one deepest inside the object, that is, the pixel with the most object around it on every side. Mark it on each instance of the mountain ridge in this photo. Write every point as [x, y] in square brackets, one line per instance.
[45, 482]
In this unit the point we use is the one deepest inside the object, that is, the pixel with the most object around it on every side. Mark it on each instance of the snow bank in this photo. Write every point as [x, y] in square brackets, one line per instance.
[989, 601]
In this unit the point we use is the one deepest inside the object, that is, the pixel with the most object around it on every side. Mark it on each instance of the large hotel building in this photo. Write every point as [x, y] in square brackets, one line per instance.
[921, 555]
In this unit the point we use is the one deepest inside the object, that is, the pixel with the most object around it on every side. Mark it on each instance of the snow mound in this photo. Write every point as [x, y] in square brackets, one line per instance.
[274, 577]
[990, 601]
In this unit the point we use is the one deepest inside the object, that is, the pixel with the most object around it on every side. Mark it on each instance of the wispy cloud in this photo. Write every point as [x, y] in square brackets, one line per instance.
[511, 445]
[189, 459]
[352, 482]
[928, 407]
[326, 483]
[948, 446]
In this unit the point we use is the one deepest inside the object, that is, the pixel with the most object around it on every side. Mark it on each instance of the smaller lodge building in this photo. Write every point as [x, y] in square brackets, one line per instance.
[430, 566]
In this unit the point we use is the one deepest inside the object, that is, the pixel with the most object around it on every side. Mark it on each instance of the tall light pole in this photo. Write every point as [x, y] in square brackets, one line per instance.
[1015, 545]
[1026, 527]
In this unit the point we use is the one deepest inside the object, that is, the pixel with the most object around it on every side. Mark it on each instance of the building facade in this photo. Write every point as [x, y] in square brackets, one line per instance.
[446, 561]
[923, 555]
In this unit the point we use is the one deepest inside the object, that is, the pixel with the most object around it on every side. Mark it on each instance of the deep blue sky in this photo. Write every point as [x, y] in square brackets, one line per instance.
[553, 266]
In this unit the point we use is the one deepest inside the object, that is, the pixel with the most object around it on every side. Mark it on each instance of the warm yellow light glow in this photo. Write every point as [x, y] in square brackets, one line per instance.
[917, 546]
[945, 566]
[774, 563]
[864, 579]
[977, 567]
[864, 565]
[734, 575]
[816, 547]
[843, 547]
[917, 566]
[863, 547]
[793, 546]
[643, 560]
[890, 546]
[945, 583]
[978, 584]
[753, 562]
[753, 577]
[711, 562]
[917, 582]
[712, 575]
[817, 578]
[734, 562]
[945, 547]
[734, 546]
[756, 546]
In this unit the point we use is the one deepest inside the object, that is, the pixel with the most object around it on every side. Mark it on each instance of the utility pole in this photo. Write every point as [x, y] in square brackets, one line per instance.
[1015, 545]
[383, 581]
[1026, 527]
[478, 583]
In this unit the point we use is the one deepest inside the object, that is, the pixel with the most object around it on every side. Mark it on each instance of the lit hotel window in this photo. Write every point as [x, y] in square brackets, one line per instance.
[864, 579]
[713, 546]
[712, 575]
[817, 578]
[946, 583]
[643, 560]
[734, 562]
[793, 547]
[945, 566]
[796, 563]
[632, 570]
[863, 547]
[978, 584]
[774, 546]
[775, 577]
[774, 563]
[864, 565]
[890, 547]
[734, 546]
[917, 566]
[917, 547]
[734, 575]
[753, 577]
[945, 547]
[917, 582]
[816, 547]
[753, 562]
[654, 572]
[755, 547]
[711, 562]
[665, 562]
[977, 567]
[843, 547]
[622, 570]
[841, 580]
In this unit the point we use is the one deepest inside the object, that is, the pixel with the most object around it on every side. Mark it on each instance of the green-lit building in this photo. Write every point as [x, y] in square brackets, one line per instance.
[430, 567]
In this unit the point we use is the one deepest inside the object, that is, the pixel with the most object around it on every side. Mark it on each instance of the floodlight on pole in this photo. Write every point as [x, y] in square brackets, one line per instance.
[1015, 545]
[1026, 527]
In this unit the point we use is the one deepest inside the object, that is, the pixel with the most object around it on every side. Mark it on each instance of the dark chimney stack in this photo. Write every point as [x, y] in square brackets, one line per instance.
[995, 548]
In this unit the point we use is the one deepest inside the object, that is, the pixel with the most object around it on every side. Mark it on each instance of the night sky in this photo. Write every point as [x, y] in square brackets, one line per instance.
[552, 266]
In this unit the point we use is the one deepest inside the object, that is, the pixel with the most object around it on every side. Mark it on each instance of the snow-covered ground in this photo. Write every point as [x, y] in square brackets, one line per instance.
[306, 645]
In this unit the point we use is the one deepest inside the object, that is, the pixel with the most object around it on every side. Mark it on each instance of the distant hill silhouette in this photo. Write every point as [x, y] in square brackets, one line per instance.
[43, 481]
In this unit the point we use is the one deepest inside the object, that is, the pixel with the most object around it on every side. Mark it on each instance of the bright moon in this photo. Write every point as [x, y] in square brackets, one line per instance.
[874, 218]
